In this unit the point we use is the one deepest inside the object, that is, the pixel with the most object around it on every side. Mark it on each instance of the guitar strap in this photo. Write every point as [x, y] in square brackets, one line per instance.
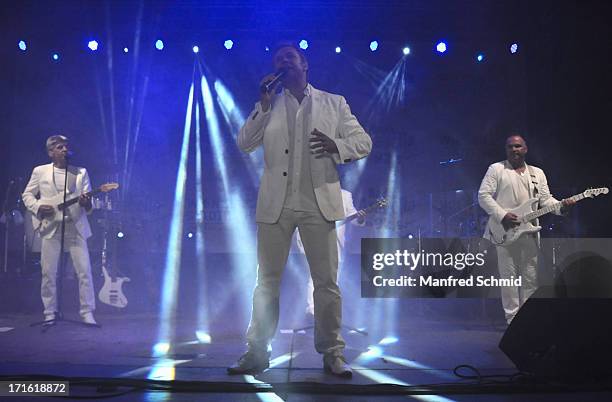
[534, 181]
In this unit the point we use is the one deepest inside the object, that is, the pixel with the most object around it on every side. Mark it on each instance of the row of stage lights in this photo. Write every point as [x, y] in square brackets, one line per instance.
[440, 47]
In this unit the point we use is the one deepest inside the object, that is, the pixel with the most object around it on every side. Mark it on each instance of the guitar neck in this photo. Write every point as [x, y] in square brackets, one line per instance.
[543, 211]
[356, 215]
[76, 199]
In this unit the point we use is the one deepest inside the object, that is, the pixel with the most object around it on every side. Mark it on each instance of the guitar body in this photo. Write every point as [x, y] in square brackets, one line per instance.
[502, 237]
[112, 292]
[49, 224]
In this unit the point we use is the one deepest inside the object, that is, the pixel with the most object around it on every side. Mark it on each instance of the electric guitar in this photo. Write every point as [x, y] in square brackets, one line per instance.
[111, 293]
[380, 203]
[47, 224]
[527, 212]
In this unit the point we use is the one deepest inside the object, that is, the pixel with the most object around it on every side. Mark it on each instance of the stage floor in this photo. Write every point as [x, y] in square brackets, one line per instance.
[425, 350]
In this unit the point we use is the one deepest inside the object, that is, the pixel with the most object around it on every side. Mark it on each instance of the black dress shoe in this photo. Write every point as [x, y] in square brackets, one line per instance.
[336, 365]
[252, 362]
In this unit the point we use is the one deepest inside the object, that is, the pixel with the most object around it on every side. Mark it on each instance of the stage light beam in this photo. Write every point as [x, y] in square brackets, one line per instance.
[514, 48]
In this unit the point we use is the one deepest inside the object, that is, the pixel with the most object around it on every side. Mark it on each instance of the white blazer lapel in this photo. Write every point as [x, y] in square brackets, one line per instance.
[278, 121]
[50, 178]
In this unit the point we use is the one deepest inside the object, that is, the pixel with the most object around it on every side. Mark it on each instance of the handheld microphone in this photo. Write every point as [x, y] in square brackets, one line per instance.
[277, 76]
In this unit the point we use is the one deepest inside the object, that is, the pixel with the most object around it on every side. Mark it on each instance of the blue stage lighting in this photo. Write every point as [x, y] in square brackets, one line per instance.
[338, 49]
[196, 49]
[373, 45]
[22, 45]
[159, 44]
[120, 235]
[303, 44]
[514, 48]
[441, 47]
[480, 57]
[406, 51]
[125, 50]
[228, 44]
[55, 56]
[92, 45]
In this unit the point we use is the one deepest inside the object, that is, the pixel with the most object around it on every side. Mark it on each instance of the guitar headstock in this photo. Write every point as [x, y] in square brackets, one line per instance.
[594, 192]
[105, 188]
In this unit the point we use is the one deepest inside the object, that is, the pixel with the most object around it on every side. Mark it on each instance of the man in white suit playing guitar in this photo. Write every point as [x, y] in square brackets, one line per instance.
[505, 186]
[46, 182]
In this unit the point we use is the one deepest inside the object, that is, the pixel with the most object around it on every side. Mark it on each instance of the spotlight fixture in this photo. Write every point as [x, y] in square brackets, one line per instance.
[441, 47]
[125, 50]
[514, 48]
[22, 45]
[92, 45]
[196, 49]
[338, 49]
[228, 44]
[55, 56]
[373, 45]
[406, 50]
[303, 44]
[480, 57]
[159, 44]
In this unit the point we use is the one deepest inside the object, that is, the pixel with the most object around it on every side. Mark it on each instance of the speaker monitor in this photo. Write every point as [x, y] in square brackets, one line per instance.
[565, 332]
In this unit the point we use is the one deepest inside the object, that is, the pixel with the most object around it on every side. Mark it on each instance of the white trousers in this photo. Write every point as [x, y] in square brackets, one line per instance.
[273, 244]
[76, 245]
[518, 259]
[310, 287]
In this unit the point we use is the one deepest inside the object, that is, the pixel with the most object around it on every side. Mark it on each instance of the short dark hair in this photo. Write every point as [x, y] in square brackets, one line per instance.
[283, 44]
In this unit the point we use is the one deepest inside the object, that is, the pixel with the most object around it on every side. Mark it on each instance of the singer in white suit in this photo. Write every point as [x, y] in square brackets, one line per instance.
[47, 181]
[305, 133]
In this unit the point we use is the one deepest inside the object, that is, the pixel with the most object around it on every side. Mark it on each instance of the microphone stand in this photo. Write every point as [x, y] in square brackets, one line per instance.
[5, 211]
[59, 315]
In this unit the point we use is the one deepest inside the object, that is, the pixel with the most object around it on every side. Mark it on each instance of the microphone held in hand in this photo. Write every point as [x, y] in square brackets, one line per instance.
[270, 84]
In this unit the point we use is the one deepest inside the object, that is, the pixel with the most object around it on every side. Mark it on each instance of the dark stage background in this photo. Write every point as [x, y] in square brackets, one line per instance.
[556, 90]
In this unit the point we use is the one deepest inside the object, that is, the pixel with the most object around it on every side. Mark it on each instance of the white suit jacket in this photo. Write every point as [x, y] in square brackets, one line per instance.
[331, 115]
[497, 195]
[41, 184]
